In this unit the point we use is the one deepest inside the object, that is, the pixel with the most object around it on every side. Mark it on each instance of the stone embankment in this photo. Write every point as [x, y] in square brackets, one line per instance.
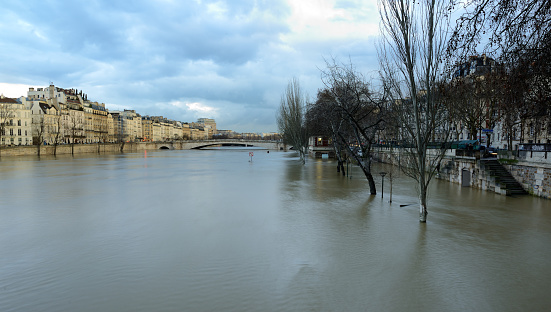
[68, 149]
[532, 173]
[64, 149]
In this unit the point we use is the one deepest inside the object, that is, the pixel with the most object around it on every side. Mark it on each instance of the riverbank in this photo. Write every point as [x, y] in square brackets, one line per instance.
[64, 149]
[128, 147]
[533, 173]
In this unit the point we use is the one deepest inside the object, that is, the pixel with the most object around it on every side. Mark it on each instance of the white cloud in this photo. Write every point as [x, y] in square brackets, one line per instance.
[198, 107]
[217, 9]
[322, 20]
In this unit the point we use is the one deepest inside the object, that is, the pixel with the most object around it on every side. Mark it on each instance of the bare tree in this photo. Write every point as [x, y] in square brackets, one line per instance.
[7, 112]
[502, 27]
[519, 34]
[410, 55]
[57, 131]
[291, 119]
[323, 119]
[358, 114]
[73, 130]
[39, 128]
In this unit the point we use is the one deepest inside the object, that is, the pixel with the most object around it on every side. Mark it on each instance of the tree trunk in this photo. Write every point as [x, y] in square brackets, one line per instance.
[423, 203]
[371, 182]
[340, 162]
[423, 213]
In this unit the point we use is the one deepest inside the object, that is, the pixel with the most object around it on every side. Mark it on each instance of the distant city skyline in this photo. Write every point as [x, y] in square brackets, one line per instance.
[229, 61]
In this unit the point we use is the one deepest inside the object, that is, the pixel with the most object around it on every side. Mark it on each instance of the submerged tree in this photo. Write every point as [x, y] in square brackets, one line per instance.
[323, 119]
[353, 114]
[410, 55]
[291, 119]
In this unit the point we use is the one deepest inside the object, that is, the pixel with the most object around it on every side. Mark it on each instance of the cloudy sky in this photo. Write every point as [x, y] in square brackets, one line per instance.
[184, 59]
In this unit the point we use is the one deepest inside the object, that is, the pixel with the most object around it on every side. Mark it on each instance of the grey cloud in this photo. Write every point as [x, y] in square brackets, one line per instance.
[146, 55]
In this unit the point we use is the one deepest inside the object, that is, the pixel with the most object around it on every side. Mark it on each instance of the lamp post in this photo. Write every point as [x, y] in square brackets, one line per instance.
[382, 173]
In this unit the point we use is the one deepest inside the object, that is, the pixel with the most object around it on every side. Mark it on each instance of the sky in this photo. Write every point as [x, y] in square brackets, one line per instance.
[184, 59]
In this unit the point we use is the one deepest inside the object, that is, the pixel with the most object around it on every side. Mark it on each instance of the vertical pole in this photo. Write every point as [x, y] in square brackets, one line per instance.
[382, 186]
[382, 173]
[390, 177]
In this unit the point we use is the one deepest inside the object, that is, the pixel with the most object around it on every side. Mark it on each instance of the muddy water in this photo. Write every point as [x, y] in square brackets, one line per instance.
[211, 231]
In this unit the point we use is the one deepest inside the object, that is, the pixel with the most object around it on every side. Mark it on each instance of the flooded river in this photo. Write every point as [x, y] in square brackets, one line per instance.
[210, 230]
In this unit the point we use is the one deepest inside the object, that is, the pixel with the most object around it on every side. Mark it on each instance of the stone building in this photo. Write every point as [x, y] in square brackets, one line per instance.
[15, 122]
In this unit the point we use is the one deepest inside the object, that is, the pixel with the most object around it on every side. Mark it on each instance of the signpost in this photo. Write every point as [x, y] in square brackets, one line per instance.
[251, 154]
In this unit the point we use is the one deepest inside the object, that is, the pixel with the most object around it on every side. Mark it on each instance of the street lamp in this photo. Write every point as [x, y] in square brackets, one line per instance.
[383, 174]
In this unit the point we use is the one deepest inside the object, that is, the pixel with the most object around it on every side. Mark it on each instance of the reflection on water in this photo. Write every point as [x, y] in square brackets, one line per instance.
[212, 231]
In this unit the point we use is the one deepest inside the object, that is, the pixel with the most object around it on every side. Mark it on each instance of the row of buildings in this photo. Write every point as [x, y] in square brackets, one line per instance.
[54, 115]
[481, 108]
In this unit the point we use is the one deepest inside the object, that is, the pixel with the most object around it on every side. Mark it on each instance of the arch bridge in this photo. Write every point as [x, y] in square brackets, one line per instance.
[198, 144]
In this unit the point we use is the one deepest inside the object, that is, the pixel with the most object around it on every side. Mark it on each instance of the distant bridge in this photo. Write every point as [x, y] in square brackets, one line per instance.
[198, 144]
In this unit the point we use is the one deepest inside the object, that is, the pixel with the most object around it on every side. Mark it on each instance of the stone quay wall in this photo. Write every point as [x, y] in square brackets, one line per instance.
[535, 177]
[65, 149]
[128, 147]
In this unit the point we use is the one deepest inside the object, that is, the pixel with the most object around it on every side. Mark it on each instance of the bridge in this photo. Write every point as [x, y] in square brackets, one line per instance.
[198, 144]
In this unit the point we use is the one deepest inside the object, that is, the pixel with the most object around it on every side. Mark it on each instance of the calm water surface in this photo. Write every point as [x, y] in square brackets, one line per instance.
[210, 231]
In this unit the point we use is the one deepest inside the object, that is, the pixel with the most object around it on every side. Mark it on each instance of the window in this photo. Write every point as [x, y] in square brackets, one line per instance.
[18, 131]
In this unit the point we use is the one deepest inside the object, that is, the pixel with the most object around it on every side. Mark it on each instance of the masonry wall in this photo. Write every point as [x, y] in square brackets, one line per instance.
[66, 149]
[14, 151]
[535, 177]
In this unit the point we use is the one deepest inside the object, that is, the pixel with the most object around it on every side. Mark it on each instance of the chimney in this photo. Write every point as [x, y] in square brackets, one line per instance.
[52, 90]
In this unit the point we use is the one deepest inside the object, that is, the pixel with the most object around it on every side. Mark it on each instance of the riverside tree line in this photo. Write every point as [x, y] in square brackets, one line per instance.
[420, 98]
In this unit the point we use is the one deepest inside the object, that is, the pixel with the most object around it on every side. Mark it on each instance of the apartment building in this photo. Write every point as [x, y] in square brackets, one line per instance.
[15, 122]
[208, 122]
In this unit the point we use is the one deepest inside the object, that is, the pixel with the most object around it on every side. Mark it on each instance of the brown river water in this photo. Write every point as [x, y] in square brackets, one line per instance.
[210, 230]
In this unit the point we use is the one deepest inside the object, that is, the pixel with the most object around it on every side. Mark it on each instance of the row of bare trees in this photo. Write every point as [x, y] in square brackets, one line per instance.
[518, 34]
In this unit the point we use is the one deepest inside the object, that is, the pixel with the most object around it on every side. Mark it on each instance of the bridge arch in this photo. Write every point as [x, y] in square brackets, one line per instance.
[210, 144]
[198, 144]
